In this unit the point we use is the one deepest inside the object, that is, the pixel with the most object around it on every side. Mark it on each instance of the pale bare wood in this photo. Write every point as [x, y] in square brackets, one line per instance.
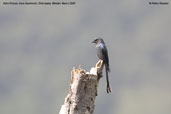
[83, 90]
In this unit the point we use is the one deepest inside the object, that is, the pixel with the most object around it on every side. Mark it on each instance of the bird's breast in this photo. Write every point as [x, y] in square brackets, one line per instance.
[99, 52]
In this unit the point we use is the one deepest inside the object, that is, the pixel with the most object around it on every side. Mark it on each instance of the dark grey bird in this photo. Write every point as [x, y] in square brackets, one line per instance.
[102, 54]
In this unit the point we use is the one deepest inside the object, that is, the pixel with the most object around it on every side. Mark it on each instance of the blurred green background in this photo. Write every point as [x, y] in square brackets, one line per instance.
[39, 46]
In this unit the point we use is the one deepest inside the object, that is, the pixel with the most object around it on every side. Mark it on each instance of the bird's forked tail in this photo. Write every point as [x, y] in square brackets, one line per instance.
[107, 79]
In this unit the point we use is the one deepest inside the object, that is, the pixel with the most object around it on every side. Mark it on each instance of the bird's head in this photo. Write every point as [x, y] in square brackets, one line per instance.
[97, 40]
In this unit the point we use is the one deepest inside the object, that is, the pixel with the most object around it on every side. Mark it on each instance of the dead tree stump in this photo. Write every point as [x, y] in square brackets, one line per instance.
[83, 90]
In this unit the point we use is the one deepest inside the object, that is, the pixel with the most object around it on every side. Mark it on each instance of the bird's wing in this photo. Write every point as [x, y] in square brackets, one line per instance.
[105, 53]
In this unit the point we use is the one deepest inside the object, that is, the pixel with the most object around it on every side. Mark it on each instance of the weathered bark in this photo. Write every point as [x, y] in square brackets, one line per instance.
[83, 90]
